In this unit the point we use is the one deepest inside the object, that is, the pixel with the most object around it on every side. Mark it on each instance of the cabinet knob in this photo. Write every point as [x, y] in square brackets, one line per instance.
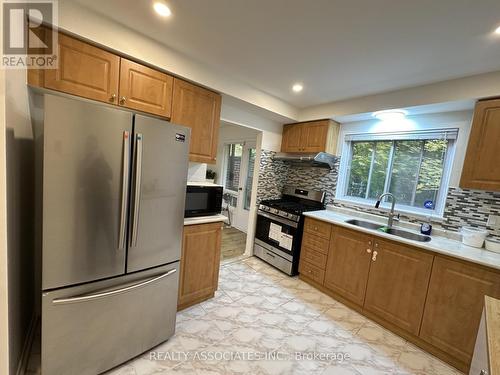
[376, 244]
[370, 242]
[315, 228]
[112, 98]
[374, 256]
[122, 100]
[369, 251]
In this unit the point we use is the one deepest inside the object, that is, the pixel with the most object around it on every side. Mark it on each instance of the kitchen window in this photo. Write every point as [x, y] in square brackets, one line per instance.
[413, 166]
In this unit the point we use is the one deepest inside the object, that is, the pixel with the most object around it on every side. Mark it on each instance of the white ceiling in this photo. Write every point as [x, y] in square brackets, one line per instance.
[337, 48]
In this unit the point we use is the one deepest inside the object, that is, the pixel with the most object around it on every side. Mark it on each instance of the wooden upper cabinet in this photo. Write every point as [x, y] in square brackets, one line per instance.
[348, 264]
[291, 141]
[199, 263]
[145, 89]
[482, 161]
[198, 109]
[313, 136]
[454, 305]
[397, 284]
[84, 70]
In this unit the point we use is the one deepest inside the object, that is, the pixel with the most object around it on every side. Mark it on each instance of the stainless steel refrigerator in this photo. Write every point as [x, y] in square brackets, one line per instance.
[114, 186]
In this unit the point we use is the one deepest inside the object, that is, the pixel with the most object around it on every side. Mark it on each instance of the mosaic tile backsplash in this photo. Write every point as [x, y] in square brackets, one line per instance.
[463, 206]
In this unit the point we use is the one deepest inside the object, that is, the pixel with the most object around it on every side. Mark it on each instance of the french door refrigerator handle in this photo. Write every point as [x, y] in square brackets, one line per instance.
[125, 182]
[137, 188]
[90, 297]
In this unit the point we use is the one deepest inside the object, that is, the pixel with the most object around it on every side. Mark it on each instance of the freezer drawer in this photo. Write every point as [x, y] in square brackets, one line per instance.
[91, 328]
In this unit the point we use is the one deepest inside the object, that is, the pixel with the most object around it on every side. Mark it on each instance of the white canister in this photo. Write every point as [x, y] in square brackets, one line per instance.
[493, 244]
[473, 236]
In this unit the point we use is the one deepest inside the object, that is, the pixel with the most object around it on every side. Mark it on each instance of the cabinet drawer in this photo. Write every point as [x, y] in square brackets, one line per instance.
[319, 228]
[312, 272]
[314, 242]
[313, 257]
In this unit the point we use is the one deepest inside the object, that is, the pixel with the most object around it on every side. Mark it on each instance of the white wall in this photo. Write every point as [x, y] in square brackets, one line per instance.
[20, 191]
[460, 120]
[4, 323]
[473, 87]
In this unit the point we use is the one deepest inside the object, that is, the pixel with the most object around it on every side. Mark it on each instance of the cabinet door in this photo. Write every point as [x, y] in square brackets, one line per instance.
[482, 162]
[145, 89]
[454, 305]
[198, 109]
[314, 136]
[348, 264]
[84, 70]
[199, 263]
[291, 138]
[397, 284]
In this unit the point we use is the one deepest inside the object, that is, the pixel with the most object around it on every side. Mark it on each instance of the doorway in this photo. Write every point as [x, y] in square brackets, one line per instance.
[238, 180]
[236, 160]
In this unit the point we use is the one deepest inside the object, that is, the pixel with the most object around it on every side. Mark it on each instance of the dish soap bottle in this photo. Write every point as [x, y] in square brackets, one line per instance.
[426, 228]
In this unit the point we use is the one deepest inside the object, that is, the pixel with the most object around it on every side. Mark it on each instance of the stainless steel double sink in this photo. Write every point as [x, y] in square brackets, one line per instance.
[393, 231]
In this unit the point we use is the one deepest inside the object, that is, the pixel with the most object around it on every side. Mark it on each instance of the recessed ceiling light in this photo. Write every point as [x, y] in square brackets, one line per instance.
[497, 30]
[162, 9]
[297, 87]
[390, 115]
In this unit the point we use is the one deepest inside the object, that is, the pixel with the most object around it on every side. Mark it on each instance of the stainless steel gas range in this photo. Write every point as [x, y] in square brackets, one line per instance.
[280, 223]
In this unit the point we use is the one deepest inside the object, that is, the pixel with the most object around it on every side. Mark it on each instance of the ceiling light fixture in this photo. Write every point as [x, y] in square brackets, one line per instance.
[297, 87]
[390, 115]
[497, 30]
[162, 9]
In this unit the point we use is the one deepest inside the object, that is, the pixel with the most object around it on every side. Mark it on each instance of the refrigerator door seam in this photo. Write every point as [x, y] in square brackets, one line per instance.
[125, 182]
[94, 296]
[137, 188]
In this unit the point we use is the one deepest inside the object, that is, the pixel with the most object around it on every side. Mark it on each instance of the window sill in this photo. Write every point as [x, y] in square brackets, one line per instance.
[385, 207]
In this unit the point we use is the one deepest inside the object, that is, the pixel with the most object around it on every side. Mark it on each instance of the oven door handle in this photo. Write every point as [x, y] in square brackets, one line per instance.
[278, 219]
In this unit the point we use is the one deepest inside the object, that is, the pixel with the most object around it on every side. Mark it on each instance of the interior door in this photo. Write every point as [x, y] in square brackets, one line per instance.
[85, 184]
[158, 192]
[242, 210]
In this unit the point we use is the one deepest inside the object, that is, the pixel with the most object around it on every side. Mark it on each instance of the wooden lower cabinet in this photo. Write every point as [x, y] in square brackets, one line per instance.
[200, 260]
[454, 305]
[397, 284]
[429, 299]
[348, 264]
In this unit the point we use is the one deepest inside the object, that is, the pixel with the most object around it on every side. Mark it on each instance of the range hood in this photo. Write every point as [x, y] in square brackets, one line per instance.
[315, 159]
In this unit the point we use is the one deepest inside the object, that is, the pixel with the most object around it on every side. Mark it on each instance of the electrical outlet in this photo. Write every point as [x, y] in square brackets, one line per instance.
[494, 221]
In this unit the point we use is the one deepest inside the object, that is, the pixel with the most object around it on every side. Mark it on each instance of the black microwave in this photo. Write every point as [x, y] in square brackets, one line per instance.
[203, 200]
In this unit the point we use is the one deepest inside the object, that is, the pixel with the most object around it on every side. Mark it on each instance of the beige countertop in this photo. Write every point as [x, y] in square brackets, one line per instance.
[438, 244]
[204, 219]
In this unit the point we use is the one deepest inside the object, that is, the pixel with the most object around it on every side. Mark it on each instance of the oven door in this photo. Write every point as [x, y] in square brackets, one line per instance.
[279, 233]
[203, 200]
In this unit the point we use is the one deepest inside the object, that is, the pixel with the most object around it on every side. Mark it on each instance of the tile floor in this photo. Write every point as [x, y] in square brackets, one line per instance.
[259, 310]
[233, 243]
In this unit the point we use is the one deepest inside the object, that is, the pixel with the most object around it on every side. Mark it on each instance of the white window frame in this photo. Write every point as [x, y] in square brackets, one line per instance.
[344, 172]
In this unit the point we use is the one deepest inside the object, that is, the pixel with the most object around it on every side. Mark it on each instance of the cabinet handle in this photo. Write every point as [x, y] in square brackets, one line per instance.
[374, 257]
[122, 100]
[112, 98]
[483, 372]
[376, 244]
[370, 242]
[369, 251]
